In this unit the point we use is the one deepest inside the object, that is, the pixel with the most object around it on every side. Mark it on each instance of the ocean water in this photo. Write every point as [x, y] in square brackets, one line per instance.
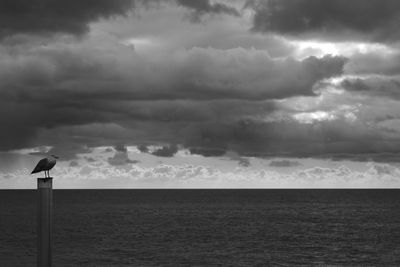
[207, 227]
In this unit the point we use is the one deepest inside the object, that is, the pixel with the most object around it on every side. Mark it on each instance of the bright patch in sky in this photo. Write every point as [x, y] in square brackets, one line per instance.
[140, 44]
[310, 117]
[305, 49]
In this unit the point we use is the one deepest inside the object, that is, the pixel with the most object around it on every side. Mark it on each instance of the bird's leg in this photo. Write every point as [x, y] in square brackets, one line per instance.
[45, 175]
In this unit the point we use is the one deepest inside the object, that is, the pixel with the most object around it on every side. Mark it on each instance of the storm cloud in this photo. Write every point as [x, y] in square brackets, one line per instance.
[291, 138]
[375, 20]
[68, 85]
[166, 151]
[201, 7]
[184, 88]
[120, 157]
[375, 86]
[284, 163]
[48, 16]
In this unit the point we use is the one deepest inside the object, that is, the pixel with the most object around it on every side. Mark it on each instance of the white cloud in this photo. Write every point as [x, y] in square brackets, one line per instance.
[100, 174]
[303, 49]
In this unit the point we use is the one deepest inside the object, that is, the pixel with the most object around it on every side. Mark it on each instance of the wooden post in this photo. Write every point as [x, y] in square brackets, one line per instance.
[45, 222]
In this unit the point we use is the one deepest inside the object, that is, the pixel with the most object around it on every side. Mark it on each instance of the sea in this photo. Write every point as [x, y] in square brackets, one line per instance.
[207, 227]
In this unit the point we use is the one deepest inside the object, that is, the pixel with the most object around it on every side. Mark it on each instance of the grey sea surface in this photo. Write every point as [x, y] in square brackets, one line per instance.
[222, 227]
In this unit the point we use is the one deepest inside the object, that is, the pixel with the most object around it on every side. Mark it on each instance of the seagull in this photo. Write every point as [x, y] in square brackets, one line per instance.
[45, 165]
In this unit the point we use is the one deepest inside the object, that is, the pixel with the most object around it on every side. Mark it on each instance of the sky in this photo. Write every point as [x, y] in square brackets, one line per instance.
[201, 93]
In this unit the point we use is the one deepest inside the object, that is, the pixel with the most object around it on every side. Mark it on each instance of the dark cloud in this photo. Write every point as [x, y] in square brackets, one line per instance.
[373, 19]
[234, 75]
[90, 159]
[143, 148]
[121, 148]
[214, 139]
[201, 7]
[70, 77]
[376, 86]
[108, 149]
[56, 16]
[101, 94]
[120, 157]
[166, 151]
[63, 77]
[336, 139]
[92, 92]
[379, 157]
[355, 85]
[374, 63]
[293, 139]
[44, 17]
[243, 162]
[208, 151]
[284, 163]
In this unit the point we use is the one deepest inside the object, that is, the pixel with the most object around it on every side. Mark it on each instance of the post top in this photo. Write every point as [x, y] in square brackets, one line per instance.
[45, 182]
